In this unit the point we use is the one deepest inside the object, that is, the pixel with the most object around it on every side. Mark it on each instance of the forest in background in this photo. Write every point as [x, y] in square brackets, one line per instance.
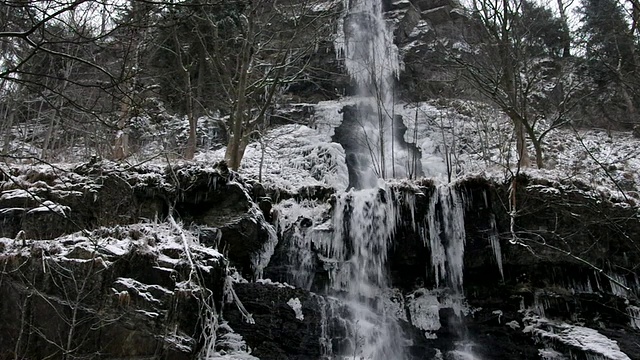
[96, 77]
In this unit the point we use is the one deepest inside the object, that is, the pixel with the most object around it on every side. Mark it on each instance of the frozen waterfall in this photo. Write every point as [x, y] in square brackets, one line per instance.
[354, 246]
[365, 42]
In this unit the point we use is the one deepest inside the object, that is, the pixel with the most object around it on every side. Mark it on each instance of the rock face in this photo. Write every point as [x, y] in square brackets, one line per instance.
[111, 293]
[521, 284]
[558, 280]
[115, 289]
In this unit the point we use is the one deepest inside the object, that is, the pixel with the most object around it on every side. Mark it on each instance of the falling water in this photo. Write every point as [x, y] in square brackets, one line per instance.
[354, 245]
[364, 224]
[365, 42]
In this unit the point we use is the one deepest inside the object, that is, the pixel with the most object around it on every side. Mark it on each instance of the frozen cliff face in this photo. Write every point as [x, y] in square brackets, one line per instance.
[475, 284]
[438, 263]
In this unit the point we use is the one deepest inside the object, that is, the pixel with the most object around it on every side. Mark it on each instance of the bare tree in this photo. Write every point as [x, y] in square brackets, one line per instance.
[518, 66]
[63, 66]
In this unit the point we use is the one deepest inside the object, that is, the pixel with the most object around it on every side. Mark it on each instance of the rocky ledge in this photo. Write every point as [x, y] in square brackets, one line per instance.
[105, 261]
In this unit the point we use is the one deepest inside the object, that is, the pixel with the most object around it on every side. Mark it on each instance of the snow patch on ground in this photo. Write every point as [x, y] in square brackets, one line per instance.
[290, 157]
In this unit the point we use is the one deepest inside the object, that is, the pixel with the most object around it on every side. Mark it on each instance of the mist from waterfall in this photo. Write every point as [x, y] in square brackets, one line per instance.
[365, 42]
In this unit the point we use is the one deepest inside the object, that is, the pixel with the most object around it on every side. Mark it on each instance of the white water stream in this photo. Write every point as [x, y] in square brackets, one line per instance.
[356, 254]
[365, 43]
[364, 223]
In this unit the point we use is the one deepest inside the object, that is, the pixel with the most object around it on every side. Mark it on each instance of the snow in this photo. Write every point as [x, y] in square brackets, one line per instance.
[295, 304]
[50, 206]
[274, 283]
[149, 314]
[143, 290]
[498, 313]
[472, 137]
[18, 194]
[293, 156]
[513, 325]
[580, 338]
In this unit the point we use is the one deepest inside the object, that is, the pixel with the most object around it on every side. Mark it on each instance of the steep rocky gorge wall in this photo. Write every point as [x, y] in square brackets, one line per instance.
[138, 292]
[569, 255]
[94, 266]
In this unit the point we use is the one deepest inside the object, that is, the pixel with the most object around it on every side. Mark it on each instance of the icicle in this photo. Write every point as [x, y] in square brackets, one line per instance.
[447, 236]
[261, 259]
[634, 316]
[438, 257]
[364, 224]
[454, 232]
[494, 239]
[618, 284]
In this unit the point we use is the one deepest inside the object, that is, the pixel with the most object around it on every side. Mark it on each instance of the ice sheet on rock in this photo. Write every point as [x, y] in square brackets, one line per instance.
[288, 212]
[634, 316]
[296, 306]
[304, 223]
[424, 310]
[550, 354]
[261, 259]
[293, 156]
[229, 345]
[584, 339]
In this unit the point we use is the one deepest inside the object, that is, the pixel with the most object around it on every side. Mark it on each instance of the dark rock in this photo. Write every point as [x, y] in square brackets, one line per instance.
[243, 239]
[406, 23]
[277, 333]
[82, 253]
[44, 224]
[438, 15]
[11, 221]
[432, 4]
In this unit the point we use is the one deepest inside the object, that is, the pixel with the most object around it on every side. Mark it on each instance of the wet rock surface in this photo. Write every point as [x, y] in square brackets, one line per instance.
[136, 295]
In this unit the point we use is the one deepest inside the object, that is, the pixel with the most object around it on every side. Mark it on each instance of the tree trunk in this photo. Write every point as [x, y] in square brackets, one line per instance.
[190, 149]
[8, 126]
[537, 145]
[521, 143]
[566, 46]
[238, 118]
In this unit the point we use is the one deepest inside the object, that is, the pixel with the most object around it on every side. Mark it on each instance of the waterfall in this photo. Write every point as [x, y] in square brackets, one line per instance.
[365, 42]
[352, 241]
[364, 223]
